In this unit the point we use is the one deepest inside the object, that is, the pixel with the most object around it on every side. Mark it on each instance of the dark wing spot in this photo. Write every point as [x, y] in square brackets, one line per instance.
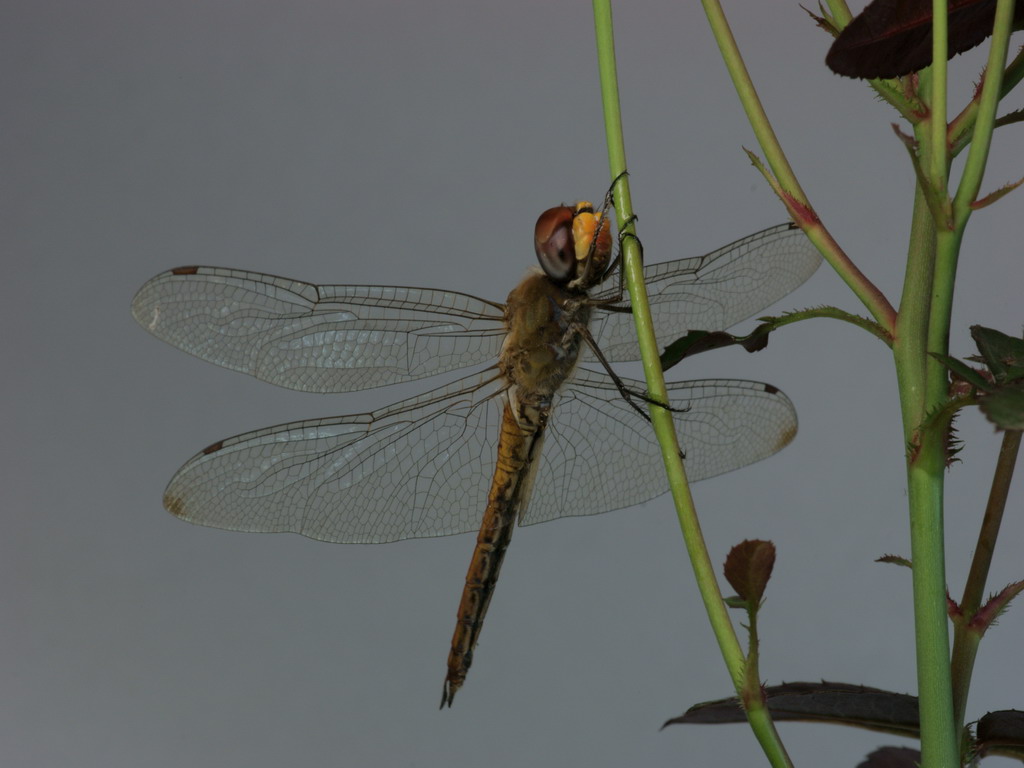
[213, 448]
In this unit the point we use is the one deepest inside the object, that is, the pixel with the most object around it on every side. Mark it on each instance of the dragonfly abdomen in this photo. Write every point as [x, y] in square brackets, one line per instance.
[522, 433]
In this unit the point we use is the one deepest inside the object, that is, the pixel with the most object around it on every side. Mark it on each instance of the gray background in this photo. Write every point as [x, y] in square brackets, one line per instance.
[401, 143]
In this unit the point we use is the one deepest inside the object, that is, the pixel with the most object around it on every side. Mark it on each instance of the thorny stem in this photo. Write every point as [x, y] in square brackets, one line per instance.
[922, 327]
[965, 638]
[783, 180]
[664, 427]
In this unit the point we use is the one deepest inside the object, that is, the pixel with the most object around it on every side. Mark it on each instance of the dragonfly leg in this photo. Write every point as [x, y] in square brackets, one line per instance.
[610, 195]
[627, 394]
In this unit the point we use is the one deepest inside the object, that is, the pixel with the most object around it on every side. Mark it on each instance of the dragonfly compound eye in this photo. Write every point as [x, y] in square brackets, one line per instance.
[553, 241]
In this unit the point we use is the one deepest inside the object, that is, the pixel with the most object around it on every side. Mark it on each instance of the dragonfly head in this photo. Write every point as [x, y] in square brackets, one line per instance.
[574, 245]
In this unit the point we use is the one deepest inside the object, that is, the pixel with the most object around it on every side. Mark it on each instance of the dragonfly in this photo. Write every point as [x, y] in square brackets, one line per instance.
[533, 437]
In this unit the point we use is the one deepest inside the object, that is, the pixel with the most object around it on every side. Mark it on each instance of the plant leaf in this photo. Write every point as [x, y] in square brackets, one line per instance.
[1004, 355]
[1016, 116]
[824, 702]
[894, 560]
[748, 568]
[996, 606]
[993, 196]
[1002, 733]
[892, 757]
[893, 38]
[825, 20]
[964, 371]
[696, 342]
[1005, 406]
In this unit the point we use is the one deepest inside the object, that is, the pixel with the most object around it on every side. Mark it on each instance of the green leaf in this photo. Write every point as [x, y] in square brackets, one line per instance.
[1005, 406]
[1003, 354]
[964, 371]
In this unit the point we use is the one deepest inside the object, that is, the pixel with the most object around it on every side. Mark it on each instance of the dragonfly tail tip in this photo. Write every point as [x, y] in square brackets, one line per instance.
[448, 693]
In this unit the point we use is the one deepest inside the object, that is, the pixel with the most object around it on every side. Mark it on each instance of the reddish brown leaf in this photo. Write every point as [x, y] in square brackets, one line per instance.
[824, 702]
[894, 560]
[892, 757]
[892, 38]
[748, 568]
[1002, 733]
[999, 193]
[996, 605]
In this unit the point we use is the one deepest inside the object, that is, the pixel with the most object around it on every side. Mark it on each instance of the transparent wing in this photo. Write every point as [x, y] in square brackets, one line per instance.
[317, 338]
[599, 454]
[340, 338]
[420, 467]
[711, 292]
[423, 467]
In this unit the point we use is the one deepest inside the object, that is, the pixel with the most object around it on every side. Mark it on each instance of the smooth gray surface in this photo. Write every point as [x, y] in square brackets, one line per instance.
[415, 144]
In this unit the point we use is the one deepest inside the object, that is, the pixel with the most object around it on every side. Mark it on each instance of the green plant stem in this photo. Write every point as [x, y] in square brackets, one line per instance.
[960, 207]
[833, 313]
[939, 742]
[783, 179]
[899, 98]
[981, 141]
[938, 156]
[910, 351]
[965, 637]
[664, 427]
[841, 15]
[962, 126]
[922, 387]
[947, 255]
[750, 101]
[941, 718]
[917, 376]
[921, 327]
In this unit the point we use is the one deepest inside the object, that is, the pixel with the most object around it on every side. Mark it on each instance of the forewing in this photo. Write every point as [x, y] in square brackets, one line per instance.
[600, 455]
[711, 292]
[317, 338]
[421, 467]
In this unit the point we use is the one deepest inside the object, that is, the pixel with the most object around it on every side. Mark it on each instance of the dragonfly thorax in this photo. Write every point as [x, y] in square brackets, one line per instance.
[544, 321]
